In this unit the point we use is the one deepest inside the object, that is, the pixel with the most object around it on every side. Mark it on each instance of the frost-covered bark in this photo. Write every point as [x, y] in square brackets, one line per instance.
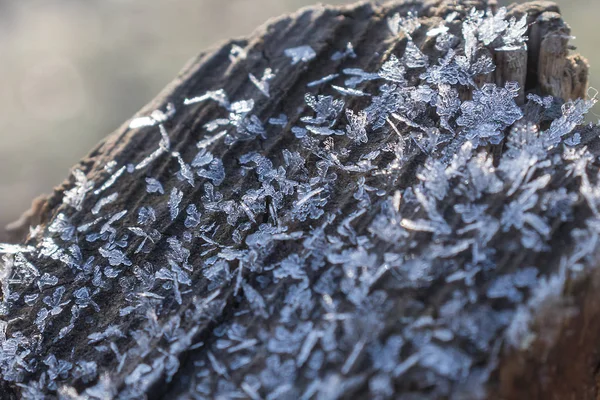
[392, 201]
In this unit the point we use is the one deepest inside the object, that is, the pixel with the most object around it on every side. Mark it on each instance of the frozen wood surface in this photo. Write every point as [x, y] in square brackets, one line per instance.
[219, 250]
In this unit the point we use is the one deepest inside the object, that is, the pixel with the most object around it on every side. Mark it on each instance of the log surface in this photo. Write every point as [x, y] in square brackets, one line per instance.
[317, 266]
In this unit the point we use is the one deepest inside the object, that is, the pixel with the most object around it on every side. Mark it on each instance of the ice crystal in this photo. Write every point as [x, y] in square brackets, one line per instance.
[62, 226]
[349, 91]
[281, 120]
[103, 202]
[301, 53]
[573, 113]
[514, 37]
[247, 126]
[174, 200]
[85, 370]
[507, 286]
[47, 280]
[491, 26]
[393, 70]
[413, 57]
[156, 117]
[447, 105]
[545, 102]
[193, 217]
[76, 195]
[323, 130]
[218, 95]
[347, 53]
[154, 186]
[111, 181]
[356, 129]
[146, 215]
[326, 109]
[407, 24]
[255, 299]
[388, 102]
[445, 72]
[153, 236]
[110, 332]
[114, 256]
[489, 113]
[324, 79]
[263, 83]
[57, 368]
[358, 76]
[445, 42]
[309, 203]
[185, 172]
[175, 276]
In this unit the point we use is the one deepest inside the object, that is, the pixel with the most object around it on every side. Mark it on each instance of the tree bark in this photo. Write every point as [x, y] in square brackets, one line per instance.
[308, 328]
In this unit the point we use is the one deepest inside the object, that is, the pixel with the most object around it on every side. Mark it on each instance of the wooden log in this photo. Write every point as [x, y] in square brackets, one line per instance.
[248, 240]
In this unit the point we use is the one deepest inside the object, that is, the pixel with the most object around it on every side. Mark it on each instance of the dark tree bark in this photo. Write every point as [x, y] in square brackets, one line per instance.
[169, 347]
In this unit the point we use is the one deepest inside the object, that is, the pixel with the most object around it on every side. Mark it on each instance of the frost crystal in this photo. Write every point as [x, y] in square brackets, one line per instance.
[185, 171]
[154, 186]
[263, 83]
[157, 117]
[490, 27]
[193, 217]
[407, 24]
[326, 109]
[76, 195]
[302, 53]
[489, 113]
[255, 299]
[114, 256]
[103, 202]
[573, 113]
[393, 70]
[413, 57]
[349, 92]
[358, 76]
[174, 200]
[347, 53]
[356, 128]
[325, 79]
[111, 181]
[218, 95]
[514, 38]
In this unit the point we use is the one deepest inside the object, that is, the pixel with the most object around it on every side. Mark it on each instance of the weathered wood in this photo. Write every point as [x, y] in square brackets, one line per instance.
[564, 327]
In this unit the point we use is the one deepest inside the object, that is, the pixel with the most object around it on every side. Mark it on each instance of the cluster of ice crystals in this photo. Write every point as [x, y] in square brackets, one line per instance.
[490, 112]
[324, 250]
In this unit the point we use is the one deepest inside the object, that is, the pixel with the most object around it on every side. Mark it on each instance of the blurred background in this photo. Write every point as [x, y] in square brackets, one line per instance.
[72, 71]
